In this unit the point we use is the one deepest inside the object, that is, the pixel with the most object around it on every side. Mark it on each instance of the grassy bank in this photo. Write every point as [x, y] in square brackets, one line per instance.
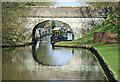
[110, 55]
[107, 51]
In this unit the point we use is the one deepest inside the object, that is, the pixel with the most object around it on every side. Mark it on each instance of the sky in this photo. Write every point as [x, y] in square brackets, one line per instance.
[71, 4]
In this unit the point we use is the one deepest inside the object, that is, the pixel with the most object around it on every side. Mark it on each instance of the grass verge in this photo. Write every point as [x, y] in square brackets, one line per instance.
[108, 52]
[110, 55]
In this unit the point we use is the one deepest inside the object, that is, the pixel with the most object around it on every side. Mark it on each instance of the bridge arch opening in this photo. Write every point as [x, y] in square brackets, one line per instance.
[45, 28]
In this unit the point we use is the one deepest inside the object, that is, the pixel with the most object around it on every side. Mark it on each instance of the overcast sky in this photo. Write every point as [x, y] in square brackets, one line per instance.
[70, 4]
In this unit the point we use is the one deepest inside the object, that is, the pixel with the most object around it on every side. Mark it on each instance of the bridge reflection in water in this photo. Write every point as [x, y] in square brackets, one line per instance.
[44, 63]
[44, 54]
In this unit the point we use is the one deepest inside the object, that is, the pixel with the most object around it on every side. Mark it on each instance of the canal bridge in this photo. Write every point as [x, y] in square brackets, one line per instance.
[81, 19]
[86, 68]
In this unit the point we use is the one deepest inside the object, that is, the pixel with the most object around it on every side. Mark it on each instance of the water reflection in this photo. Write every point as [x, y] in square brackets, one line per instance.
[44, 53]
[23, 63]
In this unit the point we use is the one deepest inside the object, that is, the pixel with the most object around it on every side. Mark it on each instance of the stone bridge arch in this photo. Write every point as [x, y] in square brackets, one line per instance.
[81, 19]
[80, 26]
[49, 20]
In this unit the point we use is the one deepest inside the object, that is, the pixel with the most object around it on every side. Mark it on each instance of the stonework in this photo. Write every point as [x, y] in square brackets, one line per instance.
[81, 19]
[80, 26]
[70, 12]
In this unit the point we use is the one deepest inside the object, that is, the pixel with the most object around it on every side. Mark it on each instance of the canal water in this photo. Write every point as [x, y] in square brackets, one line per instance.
[42, 62]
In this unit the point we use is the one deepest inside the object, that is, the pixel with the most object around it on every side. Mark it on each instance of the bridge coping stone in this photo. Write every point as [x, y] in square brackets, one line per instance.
[72, 12]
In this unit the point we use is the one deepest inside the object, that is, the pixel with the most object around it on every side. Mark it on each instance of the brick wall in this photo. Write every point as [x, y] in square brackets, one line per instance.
[106, 37]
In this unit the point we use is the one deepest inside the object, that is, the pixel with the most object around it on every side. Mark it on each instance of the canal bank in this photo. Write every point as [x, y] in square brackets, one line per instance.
[105, 64]
[16, 45]
[41, 62]
[108, 51]
[102, 62]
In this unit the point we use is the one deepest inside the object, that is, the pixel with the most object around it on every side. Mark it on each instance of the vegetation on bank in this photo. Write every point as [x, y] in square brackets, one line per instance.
[110, 25]
[108, 51]
[110, 55]
[113, 4]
